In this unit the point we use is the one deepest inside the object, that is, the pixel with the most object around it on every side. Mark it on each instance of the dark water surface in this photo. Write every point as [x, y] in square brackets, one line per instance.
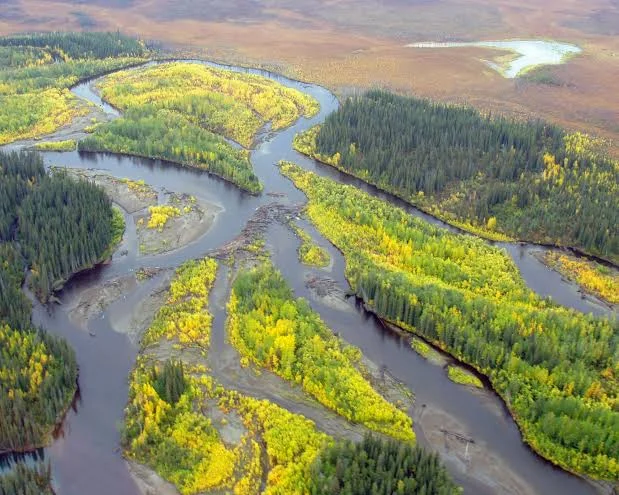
[86, 458]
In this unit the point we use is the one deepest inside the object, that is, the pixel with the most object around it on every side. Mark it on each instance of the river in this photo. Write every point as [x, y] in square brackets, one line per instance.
[86, 457]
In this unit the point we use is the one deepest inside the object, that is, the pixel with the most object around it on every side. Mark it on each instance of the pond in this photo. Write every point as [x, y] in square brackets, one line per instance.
[528, 53]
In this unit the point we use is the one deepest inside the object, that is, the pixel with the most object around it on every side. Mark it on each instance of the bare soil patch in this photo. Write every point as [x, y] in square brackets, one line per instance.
[195, 220]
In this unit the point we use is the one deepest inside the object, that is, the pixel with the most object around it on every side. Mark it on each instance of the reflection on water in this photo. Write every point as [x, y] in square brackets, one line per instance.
[532, 53]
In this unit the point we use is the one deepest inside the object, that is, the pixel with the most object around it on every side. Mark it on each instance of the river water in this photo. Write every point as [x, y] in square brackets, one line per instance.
[86, 457]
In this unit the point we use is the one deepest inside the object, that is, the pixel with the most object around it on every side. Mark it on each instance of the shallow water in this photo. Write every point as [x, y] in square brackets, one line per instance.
[532, 53]
[86, 459]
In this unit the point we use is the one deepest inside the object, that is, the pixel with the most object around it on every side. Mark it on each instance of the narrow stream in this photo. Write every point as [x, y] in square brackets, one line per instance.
[87, 459]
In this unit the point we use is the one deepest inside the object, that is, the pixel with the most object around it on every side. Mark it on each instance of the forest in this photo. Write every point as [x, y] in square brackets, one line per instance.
[378, 466]
[182, 112]
[492, 175]
[55, 226]
[555, 368]
[168, 135]
[233, 104]
[272, 329]
[37, 371]
[63, 226]
[177, 411]
[166, 412]
[37, 70]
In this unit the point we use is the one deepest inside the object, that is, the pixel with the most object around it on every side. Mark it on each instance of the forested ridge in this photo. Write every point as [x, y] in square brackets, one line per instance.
[37, 70]
[486, 173]
[555, 368]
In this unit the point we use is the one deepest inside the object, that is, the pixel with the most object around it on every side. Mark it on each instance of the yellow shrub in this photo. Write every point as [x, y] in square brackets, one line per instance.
[159, 216]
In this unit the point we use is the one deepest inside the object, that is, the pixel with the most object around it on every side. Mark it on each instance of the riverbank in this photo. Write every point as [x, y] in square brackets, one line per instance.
[185, 219]
[223, 365]
[595, 280]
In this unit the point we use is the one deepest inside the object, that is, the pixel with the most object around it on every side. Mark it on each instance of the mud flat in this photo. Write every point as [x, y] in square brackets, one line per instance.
[94, 300]
[195, 219]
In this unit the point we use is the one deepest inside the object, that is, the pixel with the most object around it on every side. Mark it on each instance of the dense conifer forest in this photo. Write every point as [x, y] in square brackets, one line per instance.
[62, 225]
[26, 480]
[377, 466]
[55, 226]
[526, 179]
[555, 368]
[37, 371]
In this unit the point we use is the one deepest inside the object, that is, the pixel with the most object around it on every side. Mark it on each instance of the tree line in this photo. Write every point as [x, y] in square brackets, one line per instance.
[525, 179]
[65, 45]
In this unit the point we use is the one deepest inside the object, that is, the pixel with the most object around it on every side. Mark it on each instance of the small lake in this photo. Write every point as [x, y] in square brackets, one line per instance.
[531, 53]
